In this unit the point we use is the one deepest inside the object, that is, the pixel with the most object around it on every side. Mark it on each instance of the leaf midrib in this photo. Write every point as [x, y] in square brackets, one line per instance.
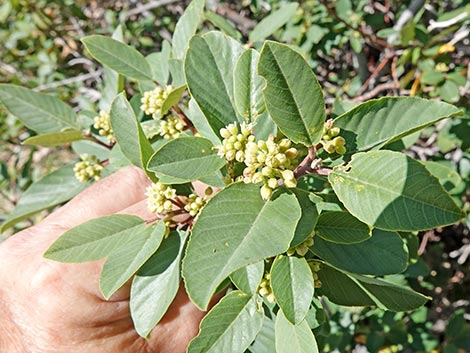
[292, 96]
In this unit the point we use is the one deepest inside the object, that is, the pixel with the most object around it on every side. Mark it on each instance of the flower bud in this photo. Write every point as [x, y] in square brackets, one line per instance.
[272, 183]
[266, 192]
[339, 141]
[334, 131]
[341, 150]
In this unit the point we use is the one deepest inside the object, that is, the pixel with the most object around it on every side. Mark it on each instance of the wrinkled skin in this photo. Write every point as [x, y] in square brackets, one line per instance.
[46, 306]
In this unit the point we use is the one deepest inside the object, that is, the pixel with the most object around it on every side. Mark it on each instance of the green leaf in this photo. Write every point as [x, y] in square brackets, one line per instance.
[95, 239]
[156, 284]
[378, 122]
[449, 91]
[390, 296]
[128, 133]
[230, 326]
[159, 63]
[200, 122]
[172, 99]
[118, 56]
[264, 127]
[113, 82]
[53, 189]
[248, 86]
[382, 254]
[186, 27]
[55, 138]
[293, 96]
[125, 261]
[292, 285]
[265, 340]
[273, 22]
[341, 289]
[224, 25]
[292, 338]
[177, 72]
[248, 278]
[308, 220]
[40, 112]
[91, 148]
[341, 227]
[185, 159]
[355, 290]
[432, 77]
[392, 191]
[234, 229]
[447, 176]
[208, 67]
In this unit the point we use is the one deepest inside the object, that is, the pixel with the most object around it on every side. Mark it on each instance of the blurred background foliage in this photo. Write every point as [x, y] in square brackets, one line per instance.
[359, 49]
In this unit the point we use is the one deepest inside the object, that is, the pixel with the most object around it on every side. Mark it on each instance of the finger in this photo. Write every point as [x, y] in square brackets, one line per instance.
[139, 209]
[108, 196]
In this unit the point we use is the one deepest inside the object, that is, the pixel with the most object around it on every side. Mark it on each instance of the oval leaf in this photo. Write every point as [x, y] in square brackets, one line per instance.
[292, 338]
[391, 296]
[377, 122]
[185, 159]
[248, 86]
[382, 254]
[55, 138]
[155, 285]
[127, 259]
[292, 285]
[341, 289]
[392, 191]
[53, 189]
[40, 112]
[248, 278]
[94, 239]
[234, 229]
[293, 96]
[230, 326]
[128, 132]
[308, 220]
[159, 63]
[186, 27]
[172, 99]
[273, 22]
[118, 56]
[341, 227]
[208, 67]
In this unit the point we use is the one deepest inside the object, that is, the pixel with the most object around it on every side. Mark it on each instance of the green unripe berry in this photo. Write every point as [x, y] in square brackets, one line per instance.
[339, 141]
[266, 192]
[272, 183]
[341, 150]
[334, 131]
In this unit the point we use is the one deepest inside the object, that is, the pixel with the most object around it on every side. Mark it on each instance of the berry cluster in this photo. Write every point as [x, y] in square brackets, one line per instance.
[264, 288]
[88, 168]
[331, 140]
[172, 127]
[159, 198]
[302, 248]
[103, 125]
[267, 161]
[153, 100]
[195, 204]
[315, 267]
[270, 161]
[233, 145]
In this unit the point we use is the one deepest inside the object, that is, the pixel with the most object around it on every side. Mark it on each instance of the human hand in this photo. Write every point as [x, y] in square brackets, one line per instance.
[47, 307]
